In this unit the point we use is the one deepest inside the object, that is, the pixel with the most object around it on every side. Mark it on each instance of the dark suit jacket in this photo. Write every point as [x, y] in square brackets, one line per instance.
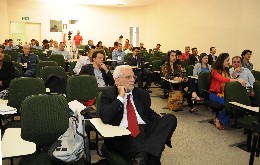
[192, 60]
[210, 59]
[133, 61]
[89, 70]
[7, 74]
[111, 109]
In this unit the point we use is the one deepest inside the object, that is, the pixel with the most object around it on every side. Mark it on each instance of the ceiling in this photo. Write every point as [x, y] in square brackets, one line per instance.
[108, 3]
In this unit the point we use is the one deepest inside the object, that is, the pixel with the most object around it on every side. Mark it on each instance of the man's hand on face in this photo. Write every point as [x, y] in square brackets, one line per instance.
[121, 90]
[239, 69]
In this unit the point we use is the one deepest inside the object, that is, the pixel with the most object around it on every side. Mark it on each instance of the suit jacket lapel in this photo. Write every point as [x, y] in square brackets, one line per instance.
[137, 102]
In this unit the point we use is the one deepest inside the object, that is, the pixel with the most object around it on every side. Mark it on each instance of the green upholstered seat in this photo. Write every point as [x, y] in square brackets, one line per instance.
[21, 88]
[19, 67]
[7, 57]
[42, 64]
[59, 59]
[235, 92]
[43, 119]
[82, 88]
[52, 70]
[189, 70]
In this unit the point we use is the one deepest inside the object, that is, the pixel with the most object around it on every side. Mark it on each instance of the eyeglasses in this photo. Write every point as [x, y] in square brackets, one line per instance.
[236, 62]
[129, 77]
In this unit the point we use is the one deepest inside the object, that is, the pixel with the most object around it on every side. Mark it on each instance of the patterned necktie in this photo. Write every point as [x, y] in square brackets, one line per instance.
[131, 118]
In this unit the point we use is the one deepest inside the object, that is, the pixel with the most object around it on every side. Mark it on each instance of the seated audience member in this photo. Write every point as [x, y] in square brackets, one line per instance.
[101, 47]
[136, 60]
[29, 61]
[171, 70]
[63, 52]
[37, 46]
[88, 46]
[186, 54]
[212, 57]
[83, 60]
[55, 46]
[11, 46]
[126, 44]
[119, 55]
[237, 71]
[33, 43]
[98, 69]
[157, 48]
[45, 44]
[5, 43]
[246, 55]
[91, 51]
[126, 106]
[51, 44]
[202, 65]
[7, 71]
[219, 77]
[142, 46]
[129, 49]
[194, 57]
[115, 46]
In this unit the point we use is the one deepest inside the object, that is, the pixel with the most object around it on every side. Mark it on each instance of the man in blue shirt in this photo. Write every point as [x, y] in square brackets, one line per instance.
[237, 71]
[29, 61]
[119, 55]
[62, 51]
[11, 46]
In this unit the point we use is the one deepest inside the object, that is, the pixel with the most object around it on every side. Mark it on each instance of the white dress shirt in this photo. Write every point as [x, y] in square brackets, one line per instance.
[124, 122]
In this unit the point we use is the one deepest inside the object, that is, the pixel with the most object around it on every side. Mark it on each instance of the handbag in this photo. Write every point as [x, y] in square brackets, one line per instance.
[175, 100]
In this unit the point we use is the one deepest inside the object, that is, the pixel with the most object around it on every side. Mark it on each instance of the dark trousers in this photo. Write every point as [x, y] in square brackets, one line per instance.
[140, 73]
[152, 139]
[192, 87]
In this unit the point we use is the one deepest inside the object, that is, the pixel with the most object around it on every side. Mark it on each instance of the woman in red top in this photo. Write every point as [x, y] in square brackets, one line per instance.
[219, 77]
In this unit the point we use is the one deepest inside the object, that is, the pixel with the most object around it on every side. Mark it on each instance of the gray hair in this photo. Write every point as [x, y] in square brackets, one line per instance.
[26, 45]
[118, 71]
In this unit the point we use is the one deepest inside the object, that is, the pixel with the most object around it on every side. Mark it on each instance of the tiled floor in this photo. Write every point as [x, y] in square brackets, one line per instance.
[195, 141]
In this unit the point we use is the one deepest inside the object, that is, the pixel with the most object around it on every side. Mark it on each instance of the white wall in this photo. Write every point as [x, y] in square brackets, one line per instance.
[231, 26]
[4, 34]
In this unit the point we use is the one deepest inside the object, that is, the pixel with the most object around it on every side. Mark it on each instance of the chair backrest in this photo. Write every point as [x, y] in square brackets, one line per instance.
[19, 67]
[42, 64]
[189, 70]
[59, 59]
[203, 82]
[40, 55]
[234, 91]
[21, 88]
[7, 57]
[157, 65]
[14, 55]
[71, 67]
[82, 88]
[257, 92]
[98, 100]
[183, 64]
[44, 118]
[52, 70]
[256, 74]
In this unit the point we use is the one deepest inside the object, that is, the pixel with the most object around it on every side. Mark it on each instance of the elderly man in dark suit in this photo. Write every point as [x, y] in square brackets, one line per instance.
[98, 69]
[126, 106]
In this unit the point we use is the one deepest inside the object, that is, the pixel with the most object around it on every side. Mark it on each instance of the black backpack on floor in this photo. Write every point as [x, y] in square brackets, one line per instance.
[56, 84]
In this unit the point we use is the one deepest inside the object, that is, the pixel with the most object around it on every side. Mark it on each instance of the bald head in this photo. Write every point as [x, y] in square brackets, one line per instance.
[26, 49]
